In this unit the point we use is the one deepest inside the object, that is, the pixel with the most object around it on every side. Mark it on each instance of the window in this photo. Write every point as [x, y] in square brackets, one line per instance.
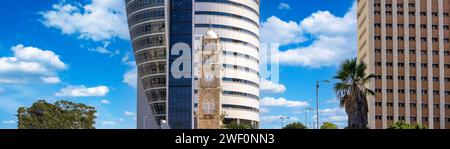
[446, 14]
[435, 52]
[435, 14]
[377, 25]
[400, 104]
[400, 5]
[413, 105]
[446, 27]
[412, 38]
[389, 90]
[377, 50]
[424, 105]
[390, 104]
[377, 63]
[424, 65]
[400, 25]
[446, 40]
[424, 14]
[413, 118]
[412, 65]
[412, 26]
[400, 13]
[388, 25]
[378, 77]
[377, 37]
[412, 91]
[401, 91]
[447, 106]
[435, 92]
[388, 13]
[400, 38]
[437, 106]
[412, 13]
[446, 52]
[388, 37]
[413, 78]
[436, 79]
[401, 51]
[424, 52]
[401, 64]
[378, 90]
[378, 117]
[389, 77]
[389, 64]
[388, 5]
[389, 51]
[434, 39]
[434, 26]
[424, 78]
[424, 92]
[425, 119]
[423, 39]
[377, 12]
[412, 5]
[401, 77]
[423, 26]
[435, 66]
[390, 117]
[412, 51]
[377, 5]
[447, 79]
[378, 104]
[447, 66]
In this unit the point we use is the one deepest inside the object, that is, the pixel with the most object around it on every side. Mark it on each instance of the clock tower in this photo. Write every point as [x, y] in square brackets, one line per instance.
[209, 113]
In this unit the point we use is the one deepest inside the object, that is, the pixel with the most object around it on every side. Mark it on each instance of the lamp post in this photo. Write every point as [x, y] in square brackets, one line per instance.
[282, 119]
[306, 115]
[317, 101]
[145, 119]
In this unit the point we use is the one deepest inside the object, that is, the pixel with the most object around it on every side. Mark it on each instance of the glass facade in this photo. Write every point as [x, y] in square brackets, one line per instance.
[180, 89]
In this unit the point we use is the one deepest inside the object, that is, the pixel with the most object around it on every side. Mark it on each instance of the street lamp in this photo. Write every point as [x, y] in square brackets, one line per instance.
[306, 115]
[282, 119]
[145, 119]
[317, 100]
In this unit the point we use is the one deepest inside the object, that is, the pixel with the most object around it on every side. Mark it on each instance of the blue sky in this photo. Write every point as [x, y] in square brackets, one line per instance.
[80, 51]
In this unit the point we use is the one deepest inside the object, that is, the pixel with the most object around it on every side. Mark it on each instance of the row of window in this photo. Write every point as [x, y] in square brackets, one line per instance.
[242, 68]
[413, 105]
[151, 55]
[399, 5]
[227, 106]
[235, 54]
[141, 4]
[231, 3]
[412, 78]
[228, 28]
[156, 95]
[147, 28]
[152, 68]
[148, 42]
[411, 26]
[146, 15]
[412, 51]
[154, 81]
[236, 80]
[233, 93]
[412, 91]
[422, 39]
[228, 15]
[412, 118]
[412, 13]
[158, 108]
[412, 65]
[235, 41]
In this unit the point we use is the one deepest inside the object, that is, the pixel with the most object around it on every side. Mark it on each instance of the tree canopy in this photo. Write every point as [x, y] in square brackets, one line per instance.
[328, 125]
[60, 115]
[404, 125]
[295, 125]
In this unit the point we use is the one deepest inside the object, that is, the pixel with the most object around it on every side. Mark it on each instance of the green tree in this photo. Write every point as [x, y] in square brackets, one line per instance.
[352, 92]
[404, 125]
[295, 125]
[328, 125]
[235, 125]
[60, 115]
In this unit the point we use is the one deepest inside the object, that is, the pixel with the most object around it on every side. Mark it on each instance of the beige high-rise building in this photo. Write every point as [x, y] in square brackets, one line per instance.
[405, 43]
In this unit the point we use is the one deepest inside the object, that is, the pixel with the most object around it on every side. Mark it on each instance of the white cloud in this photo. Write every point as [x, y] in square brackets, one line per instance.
[38, 55]
[9, 122]
[333, 38]
[335, 115]
[270, 86]
[104, 50]
[277, 119]
[104, 101]
[128, 113]
[109, 123]
[333, 100]
[275, 30]
[264, 110]
[82, 91]
[11, 81]
[98, 20]
[51, 80]
[336, 118]
[332, 111]
[31, 60]
[284, 6]
[130, 77]
[121, 120]
[282, 102]
[2, 90]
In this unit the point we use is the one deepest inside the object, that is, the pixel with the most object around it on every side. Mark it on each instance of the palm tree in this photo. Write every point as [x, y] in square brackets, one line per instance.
[352, 92]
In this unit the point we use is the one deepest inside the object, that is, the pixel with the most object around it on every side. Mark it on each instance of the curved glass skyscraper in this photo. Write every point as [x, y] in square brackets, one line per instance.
[157, 25]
